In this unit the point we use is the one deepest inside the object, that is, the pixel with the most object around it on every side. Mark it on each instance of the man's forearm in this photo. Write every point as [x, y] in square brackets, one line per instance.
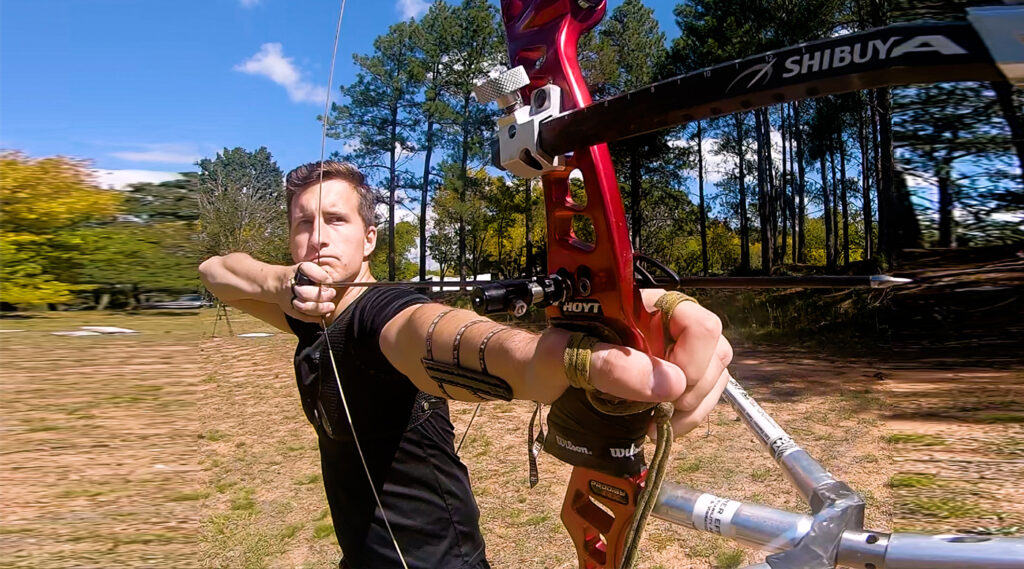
[530, 363]
[237, 276]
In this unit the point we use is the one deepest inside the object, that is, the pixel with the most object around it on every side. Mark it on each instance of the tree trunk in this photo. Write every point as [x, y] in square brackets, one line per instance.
[1004, 94]
[763, 198]
[906, 232]
[886, 230]
[944, 175]
[865, 185]
[876, 171]
[424, 195]
[772, 188]
[796, 221]
[801, 256]
[463, 172]
[703, 211]
[835, 209]
[827, 212]
[782, 183]
[635, 182]
[845, 200]
[744, 230]
[528, 215]
[501, 245]
[392, 189]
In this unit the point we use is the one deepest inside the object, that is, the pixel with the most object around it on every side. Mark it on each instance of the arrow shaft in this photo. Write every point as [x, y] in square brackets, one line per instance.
[813, 281]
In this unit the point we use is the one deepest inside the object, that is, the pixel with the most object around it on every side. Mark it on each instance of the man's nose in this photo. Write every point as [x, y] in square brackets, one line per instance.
[319, 239]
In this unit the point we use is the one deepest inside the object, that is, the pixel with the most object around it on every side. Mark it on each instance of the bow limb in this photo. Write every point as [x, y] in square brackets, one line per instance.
[542, 37]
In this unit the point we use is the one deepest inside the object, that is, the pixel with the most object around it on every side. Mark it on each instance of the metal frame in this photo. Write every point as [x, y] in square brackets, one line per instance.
[834, 534]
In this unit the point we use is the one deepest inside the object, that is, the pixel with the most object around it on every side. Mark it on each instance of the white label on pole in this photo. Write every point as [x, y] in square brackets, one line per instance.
[714, 514]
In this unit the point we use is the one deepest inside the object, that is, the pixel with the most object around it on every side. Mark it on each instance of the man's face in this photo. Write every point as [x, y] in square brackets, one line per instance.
[333, 234]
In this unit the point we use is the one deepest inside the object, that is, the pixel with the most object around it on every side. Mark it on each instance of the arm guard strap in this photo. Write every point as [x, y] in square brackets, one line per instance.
[483, 385]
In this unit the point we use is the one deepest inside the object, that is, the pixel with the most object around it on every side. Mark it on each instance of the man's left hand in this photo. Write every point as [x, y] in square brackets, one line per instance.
[692, 373]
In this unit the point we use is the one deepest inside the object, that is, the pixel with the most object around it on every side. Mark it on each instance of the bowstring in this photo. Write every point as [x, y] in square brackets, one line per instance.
[323, 319]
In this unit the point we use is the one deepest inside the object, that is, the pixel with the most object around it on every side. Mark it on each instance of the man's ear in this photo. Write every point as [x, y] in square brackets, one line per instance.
[370, 242]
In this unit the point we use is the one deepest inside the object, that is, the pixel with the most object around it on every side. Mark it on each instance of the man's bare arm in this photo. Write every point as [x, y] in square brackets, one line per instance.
[265, 290]
[532, 364]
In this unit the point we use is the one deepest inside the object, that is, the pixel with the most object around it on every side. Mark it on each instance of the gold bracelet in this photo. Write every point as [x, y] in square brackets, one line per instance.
[576, 360]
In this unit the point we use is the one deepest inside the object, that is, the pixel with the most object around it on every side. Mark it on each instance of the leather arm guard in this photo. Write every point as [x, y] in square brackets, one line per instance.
[483, 385]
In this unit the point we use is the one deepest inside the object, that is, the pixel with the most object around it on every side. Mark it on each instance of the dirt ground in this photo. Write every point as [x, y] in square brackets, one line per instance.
[179, 448]
[99, 452]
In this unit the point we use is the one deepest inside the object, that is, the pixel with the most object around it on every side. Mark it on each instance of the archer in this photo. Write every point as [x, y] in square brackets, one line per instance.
[399, 494]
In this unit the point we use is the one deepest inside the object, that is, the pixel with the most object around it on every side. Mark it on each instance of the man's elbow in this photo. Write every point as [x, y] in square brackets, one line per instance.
[215, 276]
[207, 270]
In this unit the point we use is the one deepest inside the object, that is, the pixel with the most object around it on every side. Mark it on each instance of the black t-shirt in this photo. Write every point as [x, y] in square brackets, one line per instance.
[423, 485]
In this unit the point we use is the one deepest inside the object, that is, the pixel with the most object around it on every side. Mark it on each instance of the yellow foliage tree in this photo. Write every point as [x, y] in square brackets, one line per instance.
[40, 200]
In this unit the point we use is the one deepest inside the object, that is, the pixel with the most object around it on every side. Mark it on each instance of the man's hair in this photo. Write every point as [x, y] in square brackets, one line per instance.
[307, 175]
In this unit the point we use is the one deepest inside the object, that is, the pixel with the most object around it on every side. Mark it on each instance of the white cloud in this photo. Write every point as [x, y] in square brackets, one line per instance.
[715, 165]
[401, 214]
[411, 8]
[168, 153]
[121, 179]
[1011, 217]
[271, 63]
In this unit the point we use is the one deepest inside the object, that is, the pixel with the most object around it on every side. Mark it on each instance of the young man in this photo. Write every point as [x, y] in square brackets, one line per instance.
[378, 338]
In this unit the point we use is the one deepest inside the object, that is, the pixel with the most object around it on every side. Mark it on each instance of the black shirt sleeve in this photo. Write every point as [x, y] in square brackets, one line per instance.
[373, 312]
[302, 329]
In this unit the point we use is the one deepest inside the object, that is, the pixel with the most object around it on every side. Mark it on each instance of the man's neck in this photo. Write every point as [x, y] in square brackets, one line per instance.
[349, 295]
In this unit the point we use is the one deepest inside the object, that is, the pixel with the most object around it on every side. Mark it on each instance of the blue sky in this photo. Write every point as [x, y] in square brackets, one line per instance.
[146, 88]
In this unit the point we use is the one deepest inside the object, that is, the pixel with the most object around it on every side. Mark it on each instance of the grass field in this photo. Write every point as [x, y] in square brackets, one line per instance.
[179, 448]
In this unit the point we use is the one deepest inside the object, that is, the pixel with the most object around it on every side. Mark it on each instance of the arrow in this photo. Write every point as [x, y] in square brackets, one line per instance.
[812, 281]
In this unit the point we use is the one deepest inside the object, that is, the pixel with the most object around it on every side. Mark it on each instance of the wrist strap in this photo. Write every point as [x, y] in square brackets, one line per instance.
[576, 359]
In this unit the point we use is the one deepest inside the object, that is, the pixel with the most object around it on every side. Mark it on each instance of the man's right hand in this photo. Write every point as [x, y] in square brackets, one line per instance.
[311, 302]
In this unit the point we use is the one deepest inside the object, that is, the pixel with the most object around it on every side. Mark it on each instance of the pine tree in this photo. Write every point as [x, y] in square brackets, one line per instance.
[379, 117]
[434, 46]
[478, 47]
[948, 132]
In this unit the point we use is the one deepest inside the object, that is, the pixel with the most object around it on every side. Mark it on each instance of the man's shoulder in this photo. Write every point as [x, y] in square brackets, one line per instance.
[391, 294]
[378, 305]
